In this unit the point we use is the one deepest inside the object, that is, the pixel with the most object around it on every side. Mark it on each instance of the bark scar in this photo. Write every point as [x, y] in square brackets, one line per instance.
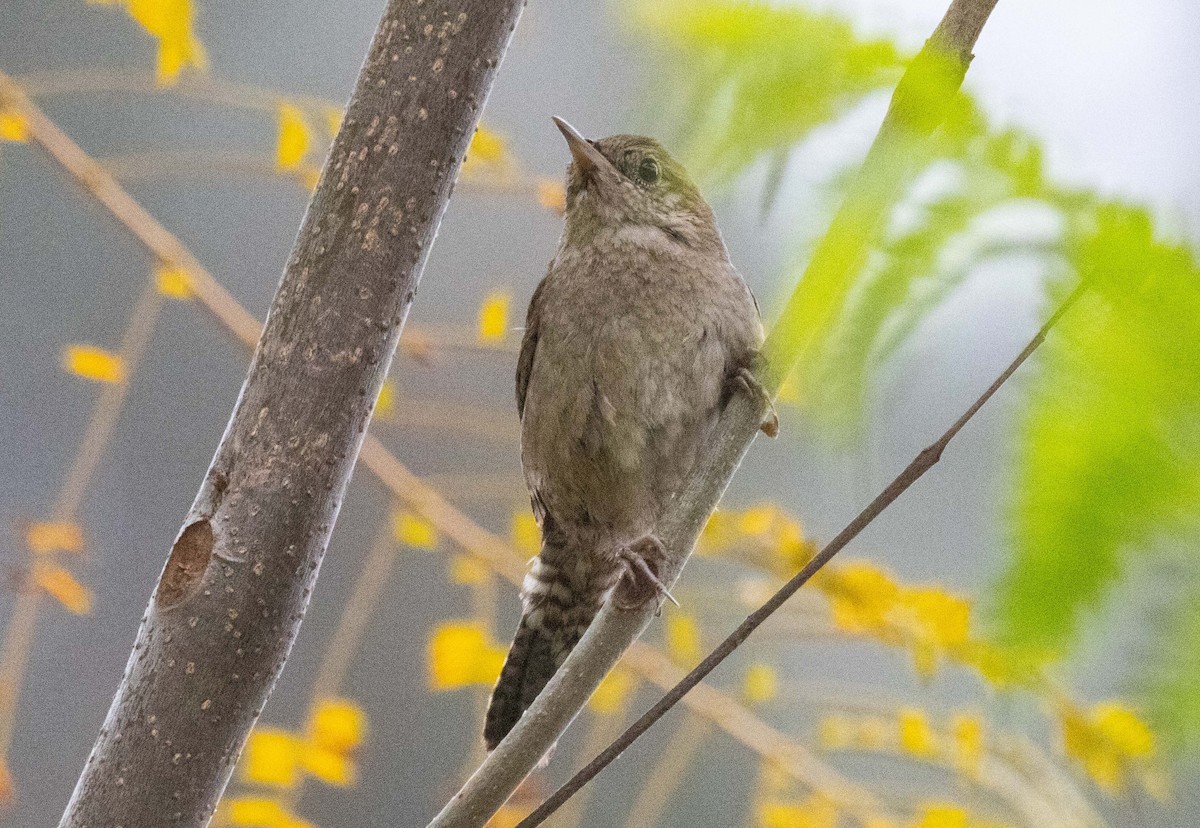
[185, 567]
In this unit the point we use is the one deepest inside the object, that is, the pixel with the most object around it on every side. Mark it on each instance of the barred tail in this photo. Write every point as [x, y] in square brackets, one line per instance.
[559, 605]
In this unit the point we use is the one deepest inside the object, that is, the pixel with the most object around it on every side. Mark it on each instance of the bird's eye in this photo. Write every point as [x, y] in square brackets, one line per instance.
[648, 170]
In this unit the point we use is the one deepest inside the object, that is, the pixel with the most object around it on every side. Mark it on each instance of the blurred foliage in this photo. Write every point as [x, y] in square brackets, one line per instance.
[749, 61]
[758, 79]
[1109, 441]
[1175, 702]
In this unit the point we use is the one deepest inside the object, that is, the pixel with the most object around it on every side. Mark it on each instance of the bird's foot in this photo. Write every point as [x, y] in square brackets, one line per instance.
[641, 582]
[750, 384]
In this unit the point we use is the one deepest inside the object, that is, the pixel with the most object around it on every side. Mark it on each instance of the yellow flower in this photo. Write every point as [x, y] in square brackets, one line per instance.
[862, 596]
[259, 812]
[468, 570]
[552, 195]
[493, 317]
[337, 725]
[46, 537]
[943, 618]
[62, 586]
[526, 536]
[939, 815]
[761, 684]
[931, 622]
[329, 766]
[793, 550]
[173, 281]
[14, 126]
[94, 363]
[385, 403]
[967, 730]
[293, 137]
[254, 811]
[758, 520]
[815, 812]
[780, 534]
[486, 146]
[916, 737]
[275, 757]
[460, 655]
[272, 758]
[614, 690]
[683, 638]
[170, 22]
[1124, 730]
[1109, 741]
[412, 530]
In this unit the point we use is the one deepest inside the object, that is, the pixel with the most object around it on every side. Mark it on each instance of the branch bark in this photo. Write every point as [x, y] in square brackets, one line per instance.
[919, 104]
[233, 592]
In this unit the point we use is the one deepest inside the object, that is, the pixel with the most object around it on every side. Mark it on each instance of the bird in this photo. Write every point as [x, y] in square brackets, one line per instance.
[637, 337]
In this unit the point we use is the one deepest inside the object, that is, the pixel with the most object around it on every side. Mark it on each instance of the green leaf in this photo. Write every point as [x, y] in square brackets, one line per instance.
[904, 282]
[1110, 444]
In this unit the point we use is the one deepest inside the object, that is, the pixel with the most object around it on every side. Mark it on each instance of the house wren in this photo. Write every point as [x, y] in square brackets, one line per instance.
[633, 343]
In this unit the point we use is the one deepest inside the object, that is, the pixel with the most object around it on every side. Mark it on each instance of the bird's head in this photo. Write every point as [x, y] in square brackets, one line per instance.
[630, 181]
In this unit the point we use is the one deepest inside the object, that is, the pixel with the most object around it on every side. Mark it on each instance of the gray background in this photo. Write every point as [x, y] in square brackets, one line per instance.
[1111, 85]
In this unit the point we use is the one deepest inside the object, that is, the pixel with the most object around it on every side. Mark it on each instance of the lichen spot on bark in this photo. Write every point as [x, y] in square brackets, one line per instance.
[185, 567]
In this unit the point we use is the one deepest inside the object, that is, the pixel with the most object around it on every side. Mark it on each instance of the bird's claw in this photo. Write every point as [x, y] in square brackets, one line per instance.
[750, 384]
[641, 582]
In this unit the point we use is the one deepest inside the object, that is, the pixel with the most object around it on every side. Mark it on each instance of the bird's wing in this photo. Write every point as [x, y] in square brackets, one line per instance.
[528, 347]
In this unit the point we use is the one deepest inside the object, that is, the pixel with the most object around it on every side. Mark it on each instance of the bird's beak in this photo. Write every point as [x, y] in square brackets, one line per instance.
[587, 157]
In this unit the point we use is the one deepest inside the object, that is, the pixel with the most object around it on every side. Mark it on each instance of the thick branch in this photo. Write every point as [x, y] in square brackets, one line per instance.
[919, 104]
[229, 603]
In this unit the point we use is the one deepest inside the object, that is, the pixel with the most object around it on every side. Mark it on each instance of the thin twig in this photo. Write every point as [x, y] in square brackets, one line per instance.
[202, 86]
[922, 463]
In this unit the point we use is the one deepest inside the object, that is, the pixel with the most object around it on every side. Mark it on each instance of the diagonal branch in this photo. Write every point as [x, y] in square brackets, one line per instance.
[920, 103]
[922, 463]
[229, 603]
